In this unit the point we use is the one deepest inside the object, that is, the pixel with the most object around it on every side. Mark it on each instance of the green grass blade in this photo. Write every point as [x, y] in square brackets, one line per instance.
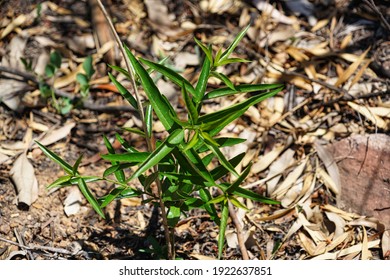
[160, 105]
[54, 157]
[222, 227]
[89, 196]
[123, 91]
[220, 92]
[234, 44]
[201, 86]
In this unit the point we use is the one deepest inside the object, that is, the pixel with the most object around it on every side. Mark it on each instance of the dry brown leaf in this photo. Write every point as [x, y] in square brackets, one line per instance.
[56, 134]
[267, 8]
[15, 23]
[330, 165]
[351, 69]
[344, 252]
[320, 24]
[366, 111]
[264, 161]
[386, 244]
[328, 181]
[277, 168]
[366, 254]
[338, 222]
[23, 175]
[291, 179]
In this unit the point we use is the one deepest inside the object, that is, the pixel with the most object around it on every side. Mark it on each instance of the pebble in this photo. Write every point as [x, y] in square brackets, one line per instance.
[5, 229]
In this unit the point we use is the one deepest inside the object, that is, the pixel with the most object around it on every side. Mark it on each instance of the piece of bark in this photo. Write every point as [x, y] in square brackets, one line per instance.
[364, 166]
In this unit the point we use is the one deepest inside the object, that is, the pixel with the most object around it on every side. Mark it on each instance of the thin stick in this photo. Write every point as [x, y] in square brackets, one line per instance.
[150, 144]
[240, 236]
[38, 247]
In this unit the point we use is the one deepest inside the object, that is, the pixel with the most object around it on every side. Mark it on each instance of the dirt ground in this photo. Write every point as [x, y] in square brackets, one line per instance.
[333, 57]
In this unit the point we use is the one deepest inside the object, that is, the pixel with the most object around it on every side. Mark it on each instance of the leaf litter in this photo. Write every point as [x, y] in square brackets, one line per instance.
[333, 91]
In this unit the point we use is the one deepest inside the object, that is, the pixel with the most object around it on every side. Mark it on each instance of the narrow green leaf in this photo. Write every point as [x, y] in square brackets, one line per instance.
[173, 216]
[217, 199]
[119, 174]
[123, 91]
[54, 157]
[222, 227]
[223, 142]
[217, 56]
[216, 121]
[118, 193]
[224, 79]
[184, 178]
[59, 181]
[192, 112]
[215, 150]
[175, 138]
[197, 164]
[240, 89]
[206, 50]
[234, 44]
[88, 67]
[221, 171]
[50, 70]
[134, 130]
[133, 157]
[194, 140]
[201, 86]
[254, 196]
[162, 109]
[237, 203]
[82, 79]
[149, 119]
[125, 145]
[117, 167]
[239, 180]
[232, 60]
[170, 74]
[56, 59]
[76, 165]
[210, 208]
[120, 70]
[89, 196]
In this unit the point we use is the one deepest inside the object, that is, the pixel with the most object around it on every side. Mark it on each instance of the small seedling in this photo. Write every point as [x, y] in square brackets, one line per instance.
[177, 172]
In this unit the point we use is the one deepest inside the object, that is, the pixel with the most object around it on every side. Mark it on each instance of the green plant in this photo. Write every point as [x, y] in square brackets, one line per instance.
[84, 79]
[176, 172]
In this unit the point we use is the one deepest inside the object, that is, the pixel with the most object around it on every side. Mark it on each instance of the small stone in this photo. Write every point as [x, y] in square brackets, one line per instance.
[5, 229]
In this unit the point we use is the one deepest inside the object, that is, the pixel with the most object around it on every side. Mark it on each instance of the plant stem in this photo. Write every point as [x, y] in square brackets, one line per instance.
[150, 143]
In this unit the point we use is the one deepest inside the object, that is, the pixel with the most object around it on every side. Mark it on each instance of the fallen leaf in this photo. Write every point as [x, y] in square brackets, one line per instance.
[56, 134]
[23, 175]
